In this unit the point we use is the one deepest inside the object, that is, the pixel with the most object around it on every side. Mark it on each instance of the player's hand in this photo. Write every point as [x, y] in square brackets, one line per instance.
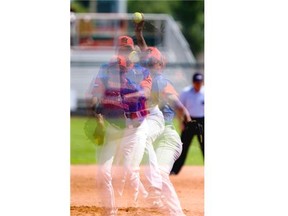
[139, 26]
[99, 133]
[187, 117]
[95, 130]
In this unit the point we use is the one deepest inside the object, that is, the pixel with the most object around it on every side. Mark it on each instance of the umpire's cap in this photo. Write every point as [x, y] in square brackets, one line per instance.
[198, 77]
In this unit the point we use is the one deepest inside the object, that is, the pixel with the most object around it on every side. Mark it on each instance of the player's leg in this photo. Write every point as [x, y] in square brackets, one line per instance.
[152, 173]
[106, 157]
[170, 196]
[153, 177]
[168, 149]
[186, 138]
[133, 146]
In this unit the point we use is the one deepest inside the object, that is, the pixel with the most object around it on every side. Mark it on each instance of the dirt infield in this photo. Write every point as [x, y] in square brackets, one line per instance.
[189, 185]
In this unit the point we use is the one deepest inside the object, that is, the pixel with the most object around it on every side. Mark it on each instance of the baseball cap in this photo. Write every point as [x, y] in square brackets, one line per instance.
[198, 77]
[151, 56]
[153, 52]
[125, 41]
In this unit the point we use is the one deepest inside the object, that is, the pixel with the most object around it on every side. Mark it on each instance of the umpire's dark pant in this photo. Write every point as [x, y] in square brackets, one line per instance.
[186, 138]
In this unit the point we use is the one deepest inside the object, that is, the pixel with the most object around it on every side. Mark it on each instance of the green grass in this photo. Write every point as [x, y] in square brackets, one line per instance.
[82, 151]
[194, 155]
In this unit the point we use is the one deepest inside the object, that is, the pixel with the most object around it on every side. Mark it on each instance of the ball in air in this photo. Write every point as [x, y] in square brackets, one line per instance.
[137, 17]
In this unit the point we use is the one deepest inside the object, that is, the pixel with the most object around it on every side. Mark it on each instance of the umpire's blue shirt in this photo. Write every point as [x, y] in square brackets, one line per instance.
[193, 101]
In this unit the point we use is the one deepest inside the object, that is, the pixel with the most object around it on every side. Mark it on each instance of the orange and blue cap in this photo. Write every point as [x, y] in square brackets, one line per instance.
[125, 41]
[151, 56]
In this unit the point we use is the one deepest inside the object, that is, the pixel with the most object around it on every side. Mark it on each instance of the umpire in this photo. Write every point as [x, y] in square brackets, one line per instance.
[192, 98]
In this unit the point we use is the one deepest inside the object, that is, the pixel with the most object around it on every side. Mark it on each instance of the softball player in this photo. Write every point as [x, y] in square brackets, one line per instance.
[168, 145]
[155, 120]
[126, 130]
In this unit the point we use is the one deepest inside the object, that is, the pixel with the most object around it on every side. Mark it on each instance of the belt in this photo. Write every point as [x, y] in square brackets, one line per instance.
[135, 115]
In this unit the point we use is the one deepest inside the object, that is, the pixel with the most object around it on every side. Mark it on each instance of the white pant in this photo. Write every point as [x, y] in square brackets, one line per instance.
[156, 125]
[168, 148]
[130, 142]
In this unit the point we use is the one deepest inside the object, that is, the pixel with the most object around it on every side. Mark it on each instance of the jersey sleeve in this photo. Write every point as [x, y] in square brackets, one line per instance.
[169, 89]
[97, 86]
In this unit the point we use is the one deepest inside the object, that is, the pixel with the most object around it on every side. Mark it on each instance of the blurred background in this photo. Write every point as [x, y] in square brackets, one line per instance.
[175, 27]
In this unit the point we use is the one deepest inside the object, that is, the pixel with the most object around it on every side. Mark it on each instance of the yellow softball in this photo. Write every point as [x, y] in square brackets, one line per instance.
[137, 17]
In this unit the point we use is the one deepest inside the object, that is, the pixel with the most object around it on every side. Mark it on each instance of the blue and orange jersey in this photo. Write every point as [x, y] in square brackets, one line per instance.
[161, 89]
[138, 78]
[110, 87]
[140, 75]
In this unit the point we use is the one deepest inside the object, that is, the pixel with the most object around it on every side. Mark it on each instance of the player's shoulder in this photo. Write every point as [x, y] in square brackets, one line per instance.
[137, 69]
[159, 78]
[102, 72]
[162, 81]
[167, 81]
[103, 67]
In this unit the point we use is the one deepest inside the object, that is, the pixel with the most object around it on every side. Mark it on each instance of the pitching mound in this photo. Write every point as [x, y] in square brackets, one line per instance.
[189, 185]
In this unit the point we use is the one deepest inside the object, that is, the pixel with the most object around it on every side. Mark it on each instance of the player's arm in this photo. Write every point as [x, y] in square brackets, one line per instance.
[146, 85]
[97, 131]
[170, 94]
[180, 110]
[145, 91]
[94, 95]
[139, 35]
[182, 113]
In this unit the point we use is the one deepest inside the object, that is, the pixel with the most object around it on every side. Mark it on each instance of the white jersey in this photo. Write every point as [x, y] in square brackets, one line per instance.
[193, 101]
